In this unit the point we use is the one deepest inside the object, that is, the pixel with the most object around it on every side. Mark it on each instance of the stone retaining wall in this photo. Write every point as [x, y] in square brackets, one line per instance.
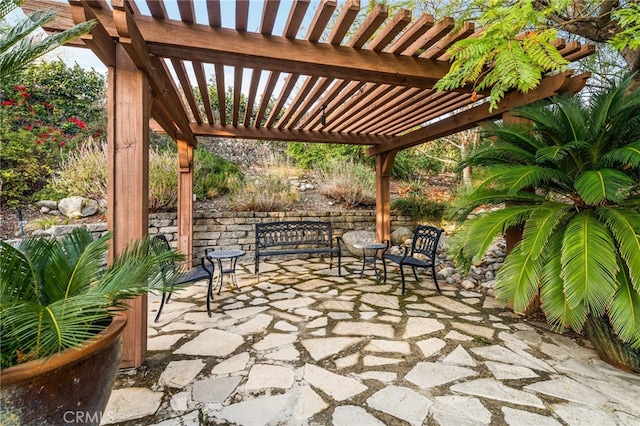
[236, 230]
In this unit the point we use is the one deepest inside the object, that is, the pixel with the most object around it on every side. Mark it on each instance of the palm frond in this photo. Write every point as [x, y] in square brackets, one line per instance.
[624, 224]
[598, 186]
[8, 6]
[518, 278]
[22, 285]
[482, 230]
[570, 113]
[23, 29]
[627, 156]
[503, 153]
[557, 153]
[589, 264]
[39, 331]
[87, 260]
[137, 270]
[624, 312]
[515, 178]
[516, 135]
[19, 47]
[489, 196]
[552, 296]
[611, 112]
[541, 225]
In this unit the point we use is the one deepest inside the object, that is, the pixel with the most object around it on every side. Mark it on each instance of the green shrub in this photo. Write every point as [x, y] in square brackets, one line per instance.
[270, 189]
[83, 173]
[420, 208]
[428, 159]
[348, 182]
[308, 155]
[163, 180]
[213, 175]
[24, 166]
[270, 192]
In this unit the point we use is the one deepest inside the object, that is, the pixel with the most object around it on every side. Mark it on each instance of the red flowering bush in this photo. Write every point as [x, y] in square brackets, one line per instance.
[40, 124]
[27, 109]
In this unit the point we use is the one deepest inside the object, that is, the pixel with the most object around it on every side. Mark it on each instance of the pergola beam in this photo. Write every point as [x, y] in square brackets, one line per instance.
[275, 134]
[132, 40]
[196, 42]
[550, 86]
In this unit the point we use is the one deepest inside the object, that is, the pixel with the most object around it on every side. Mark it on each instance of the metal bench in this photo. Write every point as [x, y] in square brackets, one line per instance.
[204, 271]
[421, 254]
[296, 237]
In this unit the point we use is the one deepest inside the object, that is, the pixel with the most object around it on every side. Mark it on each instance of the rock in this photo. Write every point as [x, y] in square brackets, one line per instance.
[489, 284]
[49, 204]
[44, 210]
[60, 230]
[476, 270]
[350, 238]
[467, 284]
[76, 207]
[400, 235]
[488, 275]
[446, 272]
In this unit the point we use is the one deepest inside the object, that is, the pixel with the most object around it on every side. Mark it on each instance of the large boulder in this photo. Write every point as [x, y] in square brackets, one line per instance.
[400, 235]
[350, 238]
[76, 207]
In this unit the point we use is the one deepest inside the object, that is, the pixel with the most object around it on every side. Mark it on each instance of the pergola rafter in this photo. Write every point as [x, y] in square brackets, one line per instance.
[367, 84]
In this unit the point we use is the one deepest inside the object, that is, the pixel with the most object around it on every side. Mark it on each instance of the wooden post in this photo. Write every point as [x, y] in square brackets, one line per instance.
[185, 198]
[128, 183]
[384, 163]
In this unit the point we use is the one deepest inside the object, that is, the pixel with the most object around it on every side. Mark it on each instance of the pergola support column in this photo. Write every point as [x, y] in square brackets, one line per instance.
[128, 183]
[384, 163]
[185, 198]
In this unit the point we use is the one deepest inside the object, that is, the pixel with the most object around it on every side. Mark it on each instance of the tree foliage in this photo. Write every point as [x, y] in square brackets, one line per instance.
[515, 48]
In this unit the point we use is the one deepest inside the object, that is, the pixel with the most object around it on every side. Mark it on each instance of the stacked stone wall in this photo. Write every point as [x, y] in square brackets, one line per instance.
[236, 230]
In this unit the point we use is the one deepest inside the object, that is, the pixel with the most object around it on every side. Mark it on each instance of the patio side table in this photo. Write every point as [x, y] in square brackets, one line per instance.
[230, 255]
[370, 246]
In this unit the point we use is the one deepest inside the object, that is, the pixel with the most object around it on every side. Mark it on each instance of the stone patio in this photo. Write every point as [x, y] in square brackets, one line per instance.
[307, 347]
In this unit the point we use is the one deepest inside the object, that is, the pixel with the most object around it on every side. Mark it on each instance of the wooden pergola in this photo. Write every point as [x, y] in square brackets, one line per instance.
[327, 81]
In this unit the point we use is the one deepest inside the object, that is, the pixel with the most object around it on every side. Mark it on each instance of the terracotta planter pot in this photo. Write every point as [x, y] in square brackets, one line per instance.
[69, 387]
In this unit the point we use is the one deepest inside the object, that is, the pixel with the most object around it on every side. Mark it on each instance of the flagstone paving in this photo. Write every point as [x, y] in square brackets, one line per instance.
[305, 346]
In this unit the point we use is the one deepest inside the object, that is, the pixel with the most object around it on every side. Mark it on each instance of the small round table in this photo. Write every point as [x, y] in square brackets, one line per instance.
[219, 256]
[370, 246]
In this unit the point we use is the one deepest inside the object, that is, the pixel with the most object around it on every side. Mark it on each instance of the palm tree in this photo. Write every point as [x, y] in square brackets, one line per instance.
[57, 293]
[20, 45]
[572, 179]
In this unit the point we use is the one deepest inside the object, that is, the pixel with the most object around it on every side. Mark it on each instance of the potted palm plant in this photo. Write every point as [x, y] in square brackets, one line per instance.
[61, 320]
[571, 179]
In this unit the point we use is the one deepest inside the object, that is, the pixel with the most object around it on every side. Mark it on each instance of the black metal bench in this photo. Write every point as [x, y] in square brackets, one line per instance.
[203, 271]
[421, 254]
[296, 237]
